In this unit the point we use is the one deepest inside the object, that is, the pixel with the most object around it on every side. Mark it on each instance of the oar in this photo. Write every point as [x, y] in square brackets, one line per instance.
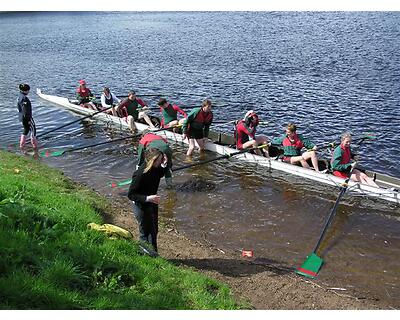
[72, 122]
[313, 263]
[334, 143]
[225, 156]
[61, 152]
[233, 121]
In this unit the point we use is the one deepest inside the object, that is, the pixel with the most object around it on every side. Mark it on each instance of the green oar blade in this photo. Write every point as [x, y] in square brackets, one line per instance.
[311, 266]
[124, 183]
[120, 184]
[47, 153]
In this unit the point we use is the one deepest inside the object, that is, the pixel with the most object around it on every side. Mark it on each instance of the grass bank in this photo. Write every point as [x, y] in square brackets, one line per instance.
[51, 260]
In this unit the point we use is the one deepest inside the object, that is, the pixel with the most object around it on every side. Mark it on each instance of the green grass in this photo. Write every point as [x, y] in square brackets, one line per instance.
[51, 260]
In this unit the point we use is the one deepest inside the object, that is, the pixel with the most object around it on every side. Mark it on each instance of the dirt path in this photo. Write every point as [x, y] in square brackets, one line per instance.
[264, 284]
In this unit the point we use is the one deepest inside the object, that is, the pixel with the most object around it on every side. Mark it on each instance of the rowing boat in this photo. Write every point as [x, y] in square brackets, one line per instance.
[221, 143]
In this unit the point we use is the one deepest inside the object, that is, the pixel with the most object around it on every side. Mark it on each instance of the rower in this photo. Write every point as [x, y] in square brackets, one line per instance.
[129, 108]
[341, 162]
[85, 96]
[292, 144]
[245, 134]
[153, 141]
[108, 99]
[170, 114]
[197, 126]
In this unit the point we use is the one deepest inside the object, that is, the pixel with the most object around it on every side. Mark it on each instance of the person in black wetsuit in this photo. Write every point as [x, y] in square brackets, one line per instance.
[25, 116]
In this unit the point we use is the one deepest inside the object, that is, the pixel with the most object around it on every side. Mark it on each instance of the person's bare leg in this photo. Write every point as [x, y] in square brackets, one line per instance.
[147, 119]
[191, 147]
[131, 123]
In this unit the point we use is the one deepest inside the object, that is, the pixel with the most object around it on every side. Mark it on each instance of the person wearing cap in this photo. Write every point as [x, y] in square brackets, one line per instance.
[85, 96]
[292, 144]
[342, 162]
[25, 116]
[108, 99]
[131, 112]
[197, 125]
[145, 200]
[170, 114]
[153, 141]
[245, 134]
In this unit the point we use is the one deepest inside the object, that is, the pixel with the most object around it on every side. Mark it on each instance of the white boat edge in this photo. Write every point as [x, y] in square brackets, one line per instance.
[329, 179]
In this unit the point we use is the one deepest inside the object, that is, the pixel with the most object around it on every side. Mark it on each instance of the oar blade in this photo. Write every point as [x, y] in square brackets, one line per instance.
[311, 266]
[54, 153]
[124, 183]
[120, 184]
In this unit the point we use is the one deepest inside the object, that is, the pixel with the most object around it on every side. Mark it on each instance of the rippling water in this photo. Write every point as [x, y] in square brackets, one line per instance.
[327, 72]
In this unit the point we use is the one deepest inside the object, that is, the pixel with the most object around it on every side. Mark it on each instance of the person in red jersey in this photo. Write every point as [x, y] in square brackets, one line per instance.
[85, 96]
[245, 134]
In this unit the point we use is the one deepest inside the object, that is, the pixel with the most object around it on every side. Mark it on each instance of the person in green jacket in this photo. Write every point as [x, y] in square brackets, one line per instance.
[292, 144]
[342, 161]
[197, 125]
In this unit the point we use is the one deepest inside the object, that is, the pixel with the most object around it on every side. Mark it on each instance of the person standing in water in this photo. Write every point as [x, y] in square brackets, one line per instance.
[25, 116]
[197, 126]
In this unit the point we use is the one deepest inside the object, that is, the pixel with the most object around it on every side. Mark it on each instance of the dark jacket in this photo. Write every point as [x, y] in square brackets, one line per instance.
[145, 184]
[24, 107]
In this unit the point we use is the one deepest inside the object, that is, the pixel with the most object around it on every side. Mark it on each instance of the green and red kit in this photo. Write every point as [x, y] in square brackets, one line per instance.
[292, 148]
[131, 107]
[151, 140]
[341, 161]
[197, 123]
[170, 113]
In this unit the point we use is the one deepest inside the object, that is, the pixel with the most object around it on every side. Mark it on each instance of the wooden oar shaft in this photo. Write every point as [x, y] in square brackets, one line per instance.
[72, 122]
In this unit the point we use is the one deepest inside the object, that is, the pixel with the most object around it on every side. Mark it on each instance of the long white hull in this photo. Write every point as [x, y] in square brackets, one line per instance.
[383, 180]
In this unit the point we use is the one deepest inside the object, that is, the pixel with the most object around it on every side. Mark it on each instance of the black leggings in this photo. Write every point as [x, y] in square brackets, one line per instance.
[147, 218]
[29, 125]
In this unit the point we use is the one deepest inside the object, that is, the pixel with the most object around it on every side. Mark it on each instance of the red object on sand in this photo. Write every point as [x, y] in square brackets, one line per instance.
[247, 253]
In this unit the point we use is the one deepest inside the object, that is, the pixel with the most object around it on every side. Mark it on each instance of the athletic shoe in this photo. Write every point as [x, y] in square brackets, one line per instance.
[148, 251]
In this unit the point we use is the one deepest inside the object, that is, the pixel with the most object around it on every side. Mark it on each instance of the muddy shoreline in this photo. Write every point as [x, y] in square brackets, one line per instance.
[263, 283]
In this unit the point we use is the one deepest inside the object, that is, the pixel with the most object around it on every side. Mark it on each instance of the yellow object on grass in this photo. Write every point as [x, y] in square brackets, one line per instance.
[111, 230]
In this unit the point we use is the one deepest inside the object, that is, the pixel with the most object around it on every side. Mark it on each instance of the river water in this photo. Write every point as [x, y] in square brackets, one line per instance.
[327, 72]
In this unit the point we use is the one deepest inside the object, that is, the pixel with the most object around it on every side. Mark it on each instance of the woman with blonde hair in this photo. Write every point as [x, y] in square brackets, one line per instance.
[342, 162]
[143, 193]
